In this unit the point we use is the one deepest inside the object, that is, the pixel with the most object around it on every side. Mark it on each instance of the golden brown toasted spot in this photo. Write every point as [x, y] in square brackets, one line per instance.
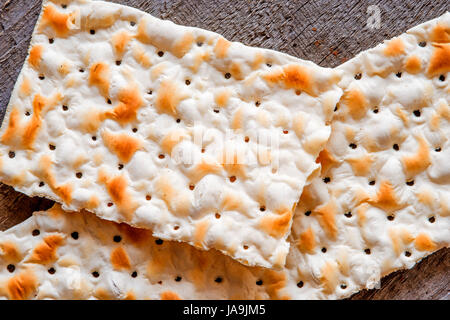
[221, 48]
[419, 162]
[177, 201]
[137, 236]
[169, 295]
[356, 103]
[232, 162]
[307, 242]
[426, 197]
[35, 57]
[45, 252]
[413, 64]
[92, 203]
[9, 252]
[117, 189]
[394, 48]
[171, 140]
[330, 277]
[130, 296]
[120, 41]
[25, 87]
[273, 282]
[440, 33]
[200, 57]
[22, 286]
[294, 77]
[231, 202]
[91, 120]
[141, 56]
[121, 144]
[399, 238]
[11, 133]
[440, 60]
[59, 22]
[64, 68]
[236, 70]
[168, 98]
[99, 77]
[102, 294]
[238, 119]
[258, 60]
[45, 173]
[201, 229]
[361, 166]
[278, 224]
[326, 160]
[222, 98]
[130, 100]
[386, 199]
[204, 168]
[423, 242]
[326, 214]
[183, 45]
[402, 115]
[119, 259]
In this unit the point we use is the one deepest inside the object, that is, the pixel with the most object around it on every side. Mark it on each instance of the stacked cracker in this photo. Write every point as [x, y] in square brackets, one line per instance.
[380, 203]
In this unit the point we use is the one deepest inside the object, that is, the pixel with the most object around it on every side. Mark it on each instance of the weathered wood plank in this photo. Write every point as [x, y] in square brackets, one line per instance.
[325, 32]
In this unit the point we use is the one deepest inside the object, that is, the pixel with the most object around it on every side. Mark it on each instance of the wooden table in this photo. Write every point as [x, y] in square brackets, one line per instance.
[325, 32]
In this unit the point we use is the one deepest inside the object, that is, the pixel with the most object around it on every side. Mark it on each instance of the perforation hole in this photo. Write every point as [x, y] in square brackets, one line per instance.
[27, 113]
[246, 139]
[431, 219]
[217, 215]
[326, 179]
[203, 150]
[259, 282]
[391, 217]
[324, 250]
[81, 70]
[148, 197]
[51, 270]
[178, 120]
[161, 156]
[416, 113]
[375, 110]
[298, 92]
[352, 145]
[199, 43]
[64, 6]
[11, 268]
[132, 23]
[41, 77]
[262, 208]
[65, 108]
[407, 254]
[159, 242]
[51, 40]
[348, 214]
[300, 284]
[422, 44]
[94, 138]
[191, 186]
[367, 251]
[35, 232]
[372, 182]
[398, 74]
[176, 228]
[442, 77]
[92, 31]
[120, 166]
[134, 274]
[160, 53]
[178, 279]
[232, 179]
[216, 110]
[110, 204]
[218, 279]
[117, 238]
[336, 108]
[41, 184]
[410, 183]
[269, 65]
[134, 130]
[257, 103]
[285, 131]
[227, 75]
[438, 149]
[79, 175]
[149, 92]
[396, 147]
[343, 286]
[188, 82]
[11, 154]
[245, 247]
[109, 101]
[308, 213]
[358, 76]
[74, 235]
[95, 274]
[118, 62]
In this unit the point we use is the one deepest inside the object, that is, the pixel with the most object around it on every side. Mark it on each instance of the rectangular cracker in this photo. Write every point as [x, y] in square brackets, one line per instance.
[165, 127]
[382, 202]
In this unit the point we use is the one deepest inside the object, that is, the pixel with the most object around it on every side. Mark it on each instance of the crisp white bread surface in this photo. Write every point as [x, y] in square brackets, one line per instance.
[111, 100]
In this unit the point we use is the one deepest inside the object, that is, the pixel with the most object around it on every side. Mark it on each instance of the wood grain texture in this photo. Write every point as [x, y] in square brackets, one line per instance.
[325, 32]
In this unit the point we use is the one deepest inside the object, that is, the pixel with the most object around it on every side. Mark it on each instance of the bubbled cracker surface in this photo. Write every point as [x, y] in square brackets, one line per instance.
[110, 99]
[382, 202]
